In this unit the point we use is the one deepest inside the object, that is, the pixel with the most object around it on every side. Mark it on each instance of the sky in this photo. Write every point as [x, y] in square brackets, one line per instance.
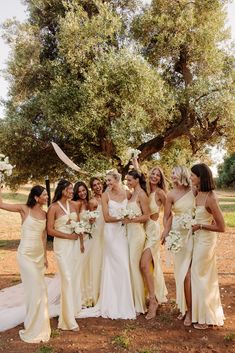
[15, 8]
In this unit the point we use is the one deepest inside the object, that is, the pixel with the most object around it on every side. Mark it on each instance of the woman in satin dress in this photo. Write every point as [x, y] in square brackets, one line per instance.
[32, 260]
[67, 251]
[206, 303]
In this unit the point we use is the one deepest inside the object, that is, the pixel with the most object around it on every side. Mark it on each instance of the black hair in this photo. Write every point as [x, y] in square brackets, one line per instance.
[76, 188]
[203, 172]
[36, 190]
[62, 185]
[136, 175]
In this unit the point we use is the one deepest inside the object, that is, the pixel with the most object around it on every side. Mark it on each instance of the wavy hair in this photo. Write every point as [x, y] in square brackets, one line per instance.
[76, 189]
[162, 182]
[183, 175]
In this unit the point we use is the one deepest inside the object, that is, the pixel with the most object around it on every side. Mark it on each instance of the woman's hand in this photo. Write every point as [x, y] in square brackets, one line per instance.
[196, 227]
[73, 236]
[163, 237]
[126, 220]
[45, 262]
[92, 220]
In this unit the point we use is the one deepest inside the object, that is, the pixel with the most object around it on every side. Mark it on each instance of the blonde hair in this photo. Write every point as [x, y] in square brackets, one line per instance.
[114, 173]
[183, 175]
[162, 182]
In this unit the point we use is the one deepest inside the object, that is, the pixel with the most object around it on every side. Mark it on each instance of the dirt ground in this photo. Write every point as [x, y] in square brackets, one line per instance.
[165, 334]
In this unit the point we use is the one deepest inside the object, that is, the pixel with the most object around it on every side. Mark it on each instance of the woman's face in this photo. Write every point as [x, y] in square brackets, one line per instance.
[195, 179]
[131, 182]
[155, 176]
[43, 198]
[97, 187]
[174, 177]
[111, 182]
[82, 193]
[68, 192]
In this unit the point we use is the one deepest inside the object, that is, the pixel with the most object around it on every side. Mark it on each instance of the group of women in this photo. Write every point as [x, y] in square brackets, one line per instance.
[117, 271]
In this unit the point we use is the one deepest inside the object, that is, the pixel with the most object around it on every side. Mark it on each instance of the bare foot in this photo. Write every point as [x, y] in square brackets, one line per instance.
[152, 311]
[180, 316]
[200, 326]
[188, 319]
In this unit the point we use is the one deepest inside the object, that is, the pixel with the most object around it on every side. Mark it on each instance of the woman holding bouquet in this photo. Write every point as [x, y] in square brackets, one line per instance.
[206, 304]
[31, 256]
[115, 300]
[60, 214]
[81, 198]
[180, 201]
[96, 254]
[151, 255]
[138, 205]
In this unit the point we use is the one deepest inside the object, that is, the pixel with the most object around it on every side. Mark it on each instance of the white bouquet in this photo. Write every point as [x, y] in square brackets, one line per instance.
[132, 153]
[88, 215]
[186, 221]
[128, 213]
[81, 227]
[174, 241]
[5, 167]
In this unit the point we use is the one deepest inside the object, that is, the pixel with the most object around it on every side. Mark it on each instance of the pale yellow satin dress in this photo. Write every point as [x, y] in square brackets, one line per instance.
[153, 243]
[86, 279]
[30, 256]
[183, 258]
[96, 255]
[206, 304]
[136, 238]
[67, 254]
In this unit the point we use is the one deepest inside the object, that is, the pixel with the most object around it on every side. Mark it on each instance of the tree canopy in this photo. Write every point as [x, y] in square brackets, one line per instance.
[99, 76]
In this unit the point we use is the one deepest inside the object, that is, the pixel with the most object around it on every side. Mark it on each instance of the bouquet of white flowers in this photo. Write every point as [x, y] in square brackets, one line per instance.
[5, 167]
[133, 153]
[128, 213]
[186, 221]
[174, 241]
[88, 215]
[81, 227]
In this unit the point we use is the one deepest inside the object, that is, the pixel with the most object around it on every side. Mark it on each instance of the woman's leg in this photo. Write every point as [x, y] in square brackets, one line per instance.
[145, 265]
[188, 298]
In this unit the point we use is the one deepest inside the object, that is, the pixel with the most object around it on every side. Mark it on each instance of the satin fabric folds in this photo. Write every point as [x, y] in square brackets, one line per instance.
[30, 256]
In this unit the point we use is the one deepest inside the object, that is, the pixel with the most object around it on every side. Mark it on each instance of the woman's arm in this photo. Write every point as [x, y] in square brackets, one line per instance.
[44, 240]
[11, 207]
[51, 226]
[218, 224]
[107, 217]
[167, 218]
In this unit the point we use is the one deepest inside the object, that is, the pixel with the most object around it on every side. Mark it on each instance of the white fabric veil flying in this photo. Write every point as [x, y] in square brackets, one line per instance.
[66, 159]
[12, 304]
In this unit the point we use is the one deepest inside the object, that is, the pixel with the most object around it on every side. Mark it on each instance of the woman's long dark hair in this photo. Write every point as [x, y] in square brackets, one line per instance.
[62, 184]
[136, 175]
[203, 172]
[36, 190]
[76, 188]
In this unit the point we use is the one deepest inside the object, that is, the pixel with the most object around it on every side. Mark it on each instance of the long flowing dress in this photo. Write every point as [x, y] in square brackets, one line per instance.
[206, 304]
[153, 243]
[86, 280]
[136, 239]
[67, 254]
[183, 258]
[30, 256]
[96, 255]
[115, 300]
